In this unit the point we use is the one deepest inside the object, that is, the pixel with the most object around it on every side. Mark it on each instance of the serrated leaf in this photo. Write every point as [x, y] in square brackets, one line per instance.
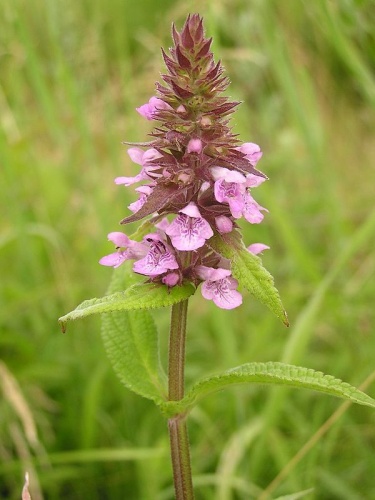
[136, 297]
[248, 270]
[268, 373]
[131, 342]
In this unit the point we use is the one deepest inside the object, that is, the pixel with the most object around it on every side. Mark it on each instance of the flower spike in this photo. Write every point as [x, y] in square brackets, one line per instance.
[195, 175]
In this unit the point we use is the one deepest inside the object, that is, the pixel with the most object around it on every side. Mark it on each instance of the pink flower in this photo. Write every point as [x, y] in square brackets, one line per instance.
[159, 258]
[142, 158]
[229, 188]
[251, 151]
[150, 109]
[144, 191]
[254, 180]
[256, 248]
[228, 175]
[189, 230]
[231, 193]
[220, 287]
[127, 249]
[251, 209]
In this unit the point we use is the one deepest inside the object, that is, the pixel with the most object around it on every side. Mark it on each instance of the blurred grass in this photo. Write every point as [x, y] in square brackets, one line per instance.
[71, 74]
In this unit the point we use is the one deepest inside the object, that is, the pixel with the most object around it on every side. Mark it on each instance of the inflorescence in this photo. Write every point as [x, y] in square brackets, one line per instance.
[196, 177]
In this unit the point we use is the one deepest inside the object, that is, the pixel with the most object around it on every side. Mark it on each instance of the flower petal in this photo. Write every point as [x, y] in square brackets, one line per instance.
[189, 233]
[252, 209]
[222, 293]
[191, 210]
[136, 155]
[114, 259]
[149, 109]
[211, 273]
[254, 180]
[252, 152]
[119, 239]
[158, 260]
[256, 248]
[228, 175]
[128, 181]
[150, 155]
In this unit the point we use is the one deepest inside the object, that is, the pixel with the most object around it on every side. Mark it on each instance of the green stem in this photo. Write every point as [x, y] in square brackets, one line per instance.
[177, 425]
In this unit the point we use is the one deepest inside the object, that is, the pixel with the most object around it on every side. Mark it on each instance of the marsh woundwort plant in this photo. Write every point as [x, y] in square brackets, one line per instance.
[196, 181]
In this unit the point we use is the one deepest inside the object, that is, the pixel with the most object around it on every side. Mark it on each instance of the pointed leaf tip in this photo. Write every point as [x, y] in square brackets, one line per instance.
[248, 270]
[136, 297]
[268, 373]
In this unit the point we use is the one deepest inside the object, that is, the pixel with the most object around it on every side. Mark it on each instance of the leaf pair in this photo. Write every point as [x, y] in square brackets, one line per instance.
[246, 268]
[131, 342]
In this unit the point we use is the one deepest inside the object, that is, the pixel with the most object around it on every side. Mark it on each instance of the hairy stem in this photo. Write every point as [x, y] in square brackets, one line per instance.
[177, 425]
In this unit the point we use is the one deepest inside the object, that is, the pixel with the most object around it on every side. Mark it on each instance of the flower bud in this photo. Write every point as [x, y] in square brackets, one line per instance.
[194, 146]
[223, 224]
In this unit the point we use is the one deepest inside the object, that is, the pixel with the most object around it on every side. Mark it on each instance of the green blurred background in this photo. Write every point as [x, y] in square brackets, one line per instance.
[71, 74]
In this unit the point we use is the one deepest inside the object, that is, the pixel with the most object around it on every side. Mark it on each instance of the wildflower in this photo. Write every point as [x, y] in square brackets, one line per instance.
[144, 158]
[251, 151]
[126, 249]
[150, 109]
[232, 187]
[144, 191]
[220, 287]
[256, 248]
[251, 210]
[159, 259]
[196, 179]
[189, 230]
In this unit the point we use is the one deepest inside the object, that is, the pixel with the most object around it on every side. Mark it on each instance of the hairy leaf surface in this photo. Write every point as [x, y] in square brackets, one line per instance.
[131, 341]
[268, 373]
[248, 270]
[138, 296]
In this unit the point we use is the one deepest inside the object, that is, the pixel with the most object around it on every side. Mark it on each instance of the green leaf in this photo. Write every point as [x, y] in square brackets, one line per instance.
[248, 270]
[268, 373]
[131, 341]
[138, 296]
